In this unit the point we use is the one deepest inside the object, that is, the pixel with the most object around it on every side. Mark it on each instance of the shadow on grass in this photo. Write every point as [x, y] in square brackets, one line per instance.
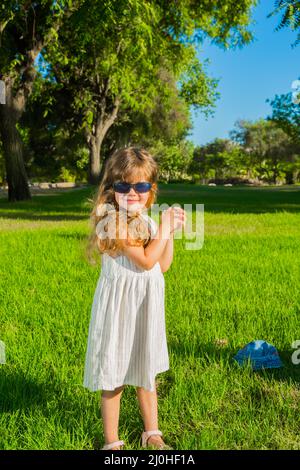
[73, 236]
[211, 354]
[74, 205]
[235, 200]
[288, 373]
[17, 391]
[64, 206]
[20, 393]
[38, 217]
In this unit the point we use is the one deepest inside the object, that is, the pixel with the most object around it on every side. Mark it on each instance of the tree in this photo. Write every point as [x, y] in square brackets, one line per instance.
[117, 66]
[26, 27]
[51, 148]
[220, 158]
[173, 158]
[290, 10]
[108, 54]
[286, 114]
[270, 148]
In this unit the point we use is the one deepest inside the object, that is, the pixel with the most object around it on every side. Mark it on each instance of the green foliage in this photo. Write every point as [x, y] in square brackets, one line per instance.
[123, 58]
[24, 133]
[173, 159]
[197, 88]
[220, 158]
[287, 115]
[269, 147]
[290, 10]
[137, 59]
[66, 175]
[25, 27]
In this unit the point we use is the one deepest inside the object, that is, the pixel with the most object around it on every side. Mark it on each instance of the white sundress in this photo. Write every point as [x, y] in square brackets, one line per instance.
[127, 341]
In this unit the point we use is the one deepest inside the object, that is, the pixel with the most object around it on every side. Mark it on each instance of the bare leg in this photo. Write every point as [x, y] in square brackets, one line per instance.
[110, 410]
[148, 406]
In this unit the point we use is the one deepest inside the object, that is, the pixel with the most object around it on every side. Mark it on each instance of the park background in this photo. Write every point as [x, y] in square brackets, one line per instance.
[188, 81]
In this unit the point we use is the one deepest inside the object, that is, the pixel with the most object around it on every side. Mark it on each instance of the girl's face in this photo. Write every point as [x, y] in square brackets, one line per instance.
[132, 201]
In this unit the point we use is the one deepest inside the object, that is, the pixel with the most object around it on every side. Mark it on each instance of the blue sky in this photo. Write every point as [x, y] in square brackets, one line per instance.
[248, 76]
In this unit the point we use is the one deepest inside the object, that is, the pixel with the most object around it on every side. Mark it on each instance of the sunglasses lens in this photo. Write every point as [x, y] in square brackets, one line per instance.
[122, 187]
[143, 187]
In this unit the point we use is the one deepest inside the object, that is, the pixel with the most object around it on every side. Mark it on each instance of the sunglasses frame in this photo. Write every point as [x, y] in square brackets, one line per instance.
[132, 185]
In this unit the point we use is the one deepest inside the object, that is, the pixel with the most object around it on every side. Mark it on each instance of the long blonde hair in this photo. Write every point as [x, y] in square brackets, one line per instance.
[122, 164]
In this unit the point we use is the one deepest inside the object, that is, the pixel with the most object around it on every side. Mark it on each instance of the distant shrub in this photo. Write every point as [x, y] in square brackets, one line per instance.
[66, 175]
[231, 180]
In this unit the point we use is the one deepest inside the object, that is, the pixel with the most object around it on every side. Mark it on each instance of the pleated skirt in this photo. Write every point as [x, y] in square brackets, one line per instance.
[127, 341]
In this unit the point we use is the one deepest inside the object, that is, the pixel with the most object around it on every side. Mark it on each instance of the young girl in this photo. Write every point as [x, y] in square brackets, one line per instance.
[127, 338]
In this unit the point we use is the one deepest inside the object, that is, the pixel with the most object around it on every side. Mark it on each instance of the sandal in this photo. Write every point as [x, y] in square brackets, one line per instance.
[113, 444]
[147, 434]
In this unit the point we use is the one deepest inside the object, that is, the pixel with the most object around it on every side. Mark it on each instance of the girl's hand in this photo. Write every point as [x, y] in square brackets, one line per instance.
[173, 218]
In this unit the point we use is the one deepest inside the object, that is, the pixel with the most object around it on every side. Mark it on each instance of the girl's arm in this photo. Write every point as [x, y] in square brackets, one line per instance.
[166, 259]
[147, 257]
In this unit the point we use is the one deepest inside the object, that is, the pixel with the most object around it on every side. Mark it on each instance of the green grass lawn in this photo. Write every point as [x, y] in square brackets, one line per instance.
[242, 285]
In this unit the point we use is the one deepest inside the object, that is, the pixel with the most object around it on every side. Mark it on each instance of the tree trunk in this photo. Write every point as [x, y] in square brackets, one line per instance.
[18, 189]
[94, 138]
[94, 160]
[289, 177]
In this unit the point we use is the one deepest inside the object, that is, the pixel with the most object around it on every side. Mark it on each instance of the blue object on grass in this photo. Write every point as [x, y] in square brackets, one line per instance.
[261, 354]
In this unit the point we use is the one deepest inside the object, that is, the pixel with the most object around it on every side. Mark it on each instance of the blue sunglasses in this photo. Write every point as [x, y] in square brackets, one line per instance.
[123, 187]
